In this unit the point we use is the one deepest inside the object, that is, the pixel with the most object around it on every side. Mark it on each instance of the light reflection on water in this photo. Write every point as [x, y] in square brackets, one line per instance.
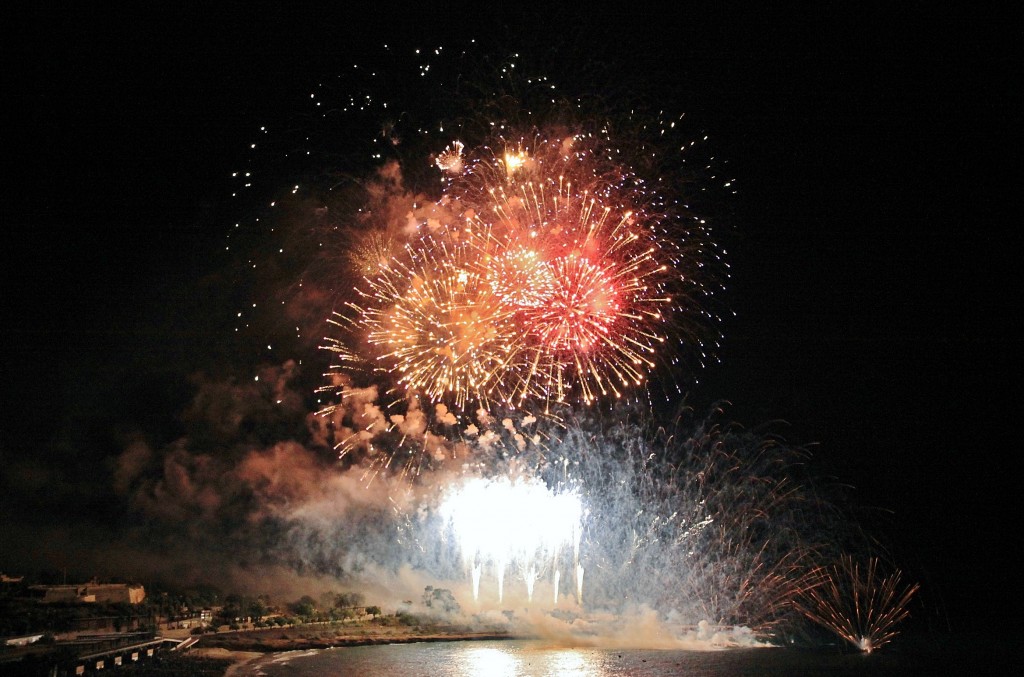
[514, 660]
[488, 661]
[534, 658]
[517, 658]
[570, 662]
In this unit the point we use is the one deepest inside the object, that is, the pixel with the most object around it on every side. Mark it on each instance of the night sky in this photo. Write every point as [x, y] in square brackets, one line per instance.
[876, 314]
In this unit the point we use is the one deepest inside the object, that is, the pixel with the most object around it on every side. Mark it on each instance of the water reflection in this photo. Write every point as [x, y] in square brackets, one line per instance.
[538, 658]
[516, 662]
[572, 663]
[487, 661]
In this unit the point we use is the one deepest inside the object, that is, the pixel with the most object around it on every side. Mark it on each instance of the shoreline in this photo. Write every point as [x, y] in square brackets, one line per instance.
[246, 646]
[238, 658]
[320, 637]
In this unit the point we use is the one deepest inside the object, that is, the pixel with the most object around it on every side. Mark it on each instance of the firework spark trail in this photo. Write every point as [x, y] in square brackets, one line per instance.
[859, 604]
[711, 517]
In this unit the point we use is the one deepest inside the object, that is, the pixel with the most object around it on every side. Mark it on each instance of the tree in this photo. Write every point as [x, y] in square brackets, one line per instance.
[233, 603]
[305, 607]
[440, 599]
[256, 607]
[349, 599]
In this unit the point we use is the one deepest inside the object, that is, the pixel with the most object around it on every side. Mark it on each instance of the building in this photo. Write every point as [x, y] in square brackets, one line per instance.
[102, 593]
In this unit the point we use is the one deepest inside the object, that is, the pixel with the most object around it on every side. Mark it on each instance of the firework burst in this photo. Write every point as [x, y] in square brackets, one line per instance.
[593, 317]
[438, 323]
[541, 278]
[508, 244]
[484, 274]
[858, 603]
[545, 275]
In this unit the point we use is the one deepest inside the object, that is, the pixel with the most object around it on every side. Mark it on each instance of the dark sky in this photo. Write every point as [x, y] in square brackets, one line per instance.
[871, 249]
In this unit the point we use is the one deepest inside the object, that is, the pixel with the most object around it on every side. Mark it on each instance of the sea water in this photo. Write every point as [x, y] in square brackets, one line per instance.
[539, 658]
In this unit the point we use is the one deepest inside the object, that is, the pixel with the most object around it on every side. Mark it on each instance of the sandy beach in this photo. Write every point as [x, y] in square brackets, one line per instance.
[237, 658]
